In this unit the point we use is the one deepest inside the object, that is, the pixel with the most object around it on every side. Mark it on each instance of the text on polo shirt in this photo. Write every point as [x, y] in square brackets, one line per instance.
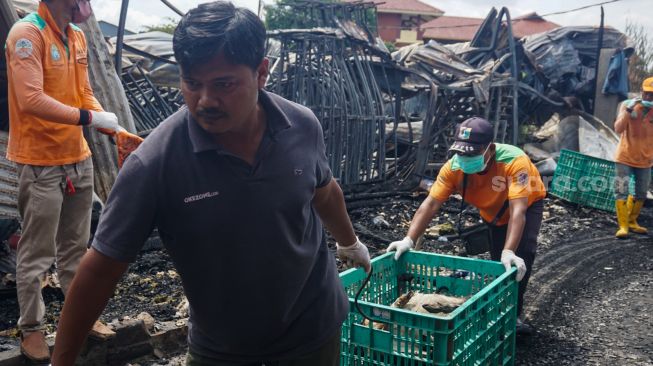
[200, 196]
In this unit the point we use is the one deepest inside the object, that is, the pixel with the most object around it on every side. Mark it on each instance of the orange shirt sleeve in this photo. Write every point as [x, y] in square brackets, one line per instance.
[444, 184]
[519, 177]
[623, 117]
[25, 67]
[88, 98]
[90, 102]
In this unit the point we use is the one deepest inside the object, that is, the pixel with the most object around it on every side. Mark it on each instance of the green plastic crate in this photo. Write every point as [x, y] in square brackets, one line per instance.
[585, 180]
[479, 332]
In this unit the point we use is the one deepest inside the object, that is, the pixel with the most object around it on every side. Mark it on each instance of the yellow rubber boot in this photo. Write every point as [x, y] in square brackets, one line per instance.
[634, 207]
[622, 219]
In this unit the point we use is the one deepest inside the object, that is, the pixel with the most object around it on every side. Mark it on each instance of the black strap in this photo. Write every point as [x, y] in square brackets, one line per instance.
[501, 212]
[357, 296]
[462, 206]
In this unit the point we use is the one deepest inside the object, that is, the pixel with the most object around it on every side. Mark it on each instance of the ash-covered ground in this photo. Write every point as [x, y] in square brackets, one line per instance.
[590, 296]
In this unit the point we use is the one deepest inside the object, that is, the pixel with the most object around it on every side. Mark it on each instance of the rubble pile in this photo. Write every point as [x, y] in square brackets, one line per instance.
[151, 285]
[391, 117]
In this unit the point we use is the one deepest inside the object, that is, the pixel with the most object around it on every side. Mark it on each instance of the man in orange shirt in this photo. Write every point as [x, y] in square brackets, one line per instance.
[495, 175]
[634, 157]
[50, 99]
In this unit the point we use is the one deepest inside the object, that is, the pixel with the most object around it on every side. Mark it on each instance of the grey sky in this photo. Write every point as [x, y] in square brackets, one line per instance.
[149, 12]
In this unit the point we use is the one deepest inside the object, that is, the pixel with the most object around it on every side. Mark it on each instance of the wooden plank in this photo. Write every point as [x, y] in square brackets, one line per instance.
[605, 106]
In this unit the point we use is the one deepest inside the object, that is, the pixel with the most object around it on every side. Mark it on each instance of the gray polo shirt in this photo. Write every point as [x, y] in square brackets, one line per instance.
[246, 241]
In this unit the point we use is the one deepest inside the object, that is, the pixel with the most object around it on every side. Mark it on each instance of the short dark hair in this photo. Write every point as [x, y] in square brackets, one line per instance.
[219, 27]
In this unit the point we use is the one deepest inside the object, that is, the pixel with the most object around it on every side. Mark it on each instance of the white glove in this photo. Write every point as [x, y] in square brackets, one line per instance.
[355, 255]
[106, 120]
[401, 246]
[508, 258]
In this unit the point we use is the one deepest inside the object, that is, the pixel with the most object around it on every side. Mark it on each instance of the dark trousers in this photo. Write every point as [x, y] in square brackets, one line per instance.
[327, 355]
[527, 246]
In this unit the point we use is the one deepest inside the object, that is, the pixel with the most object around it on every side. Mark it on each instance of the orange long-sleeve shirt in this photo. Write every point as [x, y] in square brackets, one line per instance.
[47, 85]
[636, 144]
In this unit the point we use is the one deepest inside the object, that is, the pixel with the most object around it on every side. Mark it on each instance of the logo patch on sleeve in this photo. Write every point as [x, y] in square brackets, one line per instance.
[522, 178]
[24, 48]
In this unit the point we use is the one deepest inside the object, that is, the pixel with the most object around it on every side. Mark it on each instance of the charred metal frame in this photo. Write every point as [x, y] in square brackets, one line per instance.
[149, 104]
[334, 64]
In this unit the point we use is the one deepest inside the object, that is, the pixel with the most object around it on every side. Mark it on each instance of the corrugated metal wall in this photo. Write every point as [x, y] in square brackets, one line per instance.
[8, 178]
[8, 182]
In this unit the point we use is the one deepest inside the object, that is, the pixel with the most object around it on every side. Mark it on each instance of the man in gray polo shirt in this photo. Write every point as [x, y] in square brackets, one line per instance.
[238, 186]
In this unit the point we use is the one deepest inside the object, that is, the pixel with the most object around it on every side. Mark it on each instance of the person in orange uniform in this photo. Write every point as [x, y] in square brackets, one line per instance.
[634, 157]
[50, 99]
[505, 186]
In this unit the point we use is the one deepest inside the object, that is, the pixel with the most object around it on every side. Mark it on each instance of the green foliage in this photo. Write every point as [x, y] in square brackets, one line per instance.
[167, 27]
[282, 15]
[279, 16]
[641, 63]
[390, 46]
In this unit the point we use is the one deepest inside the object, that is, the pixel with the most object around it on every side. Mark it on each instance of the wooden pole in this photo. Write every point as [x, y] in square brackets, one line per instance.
[108, 90]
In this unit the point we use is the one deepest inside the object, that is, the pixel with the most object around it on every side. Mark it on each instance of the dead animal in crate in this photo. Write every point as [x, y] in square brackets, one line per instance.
[418, 302]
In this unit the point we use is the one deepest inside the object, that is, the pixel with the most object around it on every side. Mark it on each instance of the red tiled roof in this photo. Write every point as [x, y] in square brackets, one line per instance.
[451, 28]
[463, 29]
[532, 23]
[404, 7]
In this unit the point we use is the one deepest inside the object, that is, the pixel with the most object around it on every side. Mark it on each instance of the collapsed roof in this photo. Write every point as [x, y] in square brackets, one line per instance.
[362, 93]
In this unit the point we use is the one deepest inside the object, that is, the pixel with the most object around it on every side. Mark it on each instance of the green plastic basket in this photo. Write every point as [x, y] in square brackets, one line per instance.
[585, 180]
[479, 332]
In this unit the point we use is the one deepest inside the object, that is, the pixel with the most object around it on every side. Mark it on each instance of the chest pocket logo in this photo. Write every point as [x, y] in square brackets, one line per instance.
[55, 54]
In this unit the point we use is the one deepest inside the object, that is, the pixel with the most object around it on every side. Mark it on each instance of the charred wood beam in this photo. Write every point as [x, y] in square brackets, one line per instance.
[111, 95]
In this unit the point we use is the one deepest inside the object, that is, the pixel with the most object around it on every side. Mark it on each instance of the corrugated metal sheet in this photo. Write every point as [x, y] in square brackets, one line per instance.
[8, 182]
[8, 177]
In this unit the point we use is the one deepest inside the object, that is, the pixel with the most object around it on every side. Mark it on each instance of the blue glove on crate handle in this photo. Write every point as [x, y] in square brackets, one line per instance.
[358, 294]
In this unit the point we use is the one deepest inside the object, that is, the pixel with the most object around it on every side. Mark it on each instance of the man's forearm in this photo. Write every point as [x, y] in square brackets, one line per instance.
[330, 206]
[515, 231]
[418, 224]
[89, 292]
[622, 120]
[423, 217]
[45, 107]
[340, 226]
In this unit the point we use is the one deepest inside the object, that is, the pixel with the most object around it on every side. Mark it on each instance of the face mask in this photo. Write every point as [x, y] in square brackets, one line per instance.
[82, 11]
[472, 164]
